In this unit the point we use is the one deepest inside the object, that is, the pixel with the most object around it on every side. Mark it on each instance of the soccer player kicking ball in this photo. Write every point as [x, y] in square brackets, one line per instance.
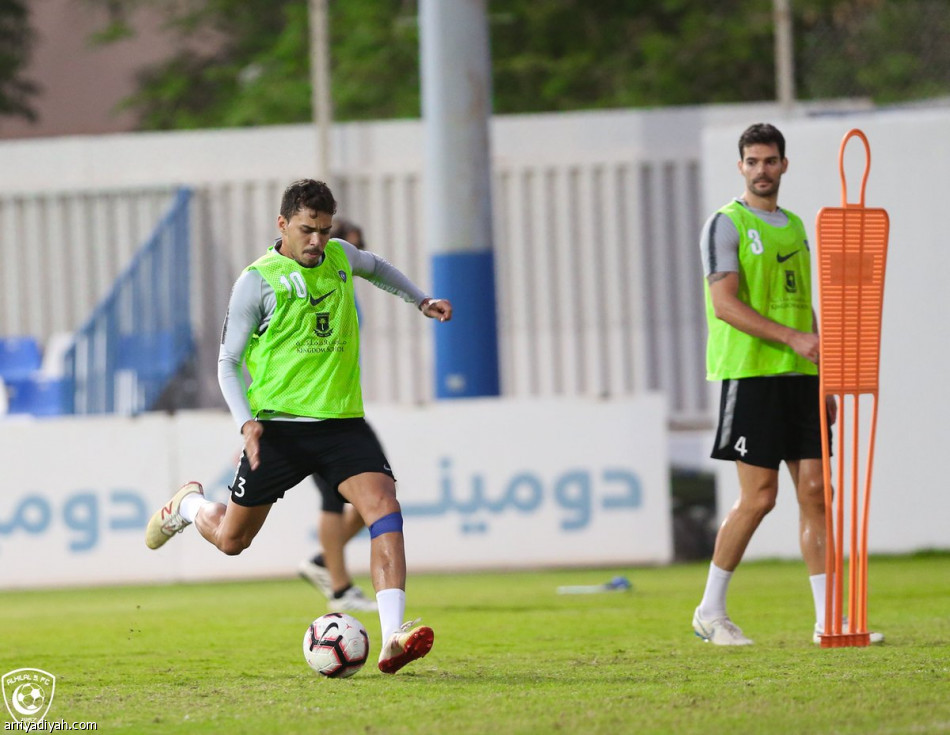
[292, 323]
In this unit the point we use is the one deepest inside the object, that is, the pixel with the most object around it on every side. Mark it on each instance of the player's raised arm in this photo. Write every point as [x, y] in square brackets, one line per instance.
[384, 275]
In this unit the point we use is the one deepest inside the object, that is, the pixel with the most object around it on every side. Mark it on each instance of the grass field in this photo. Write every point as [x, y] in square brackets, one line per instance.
[510, 656]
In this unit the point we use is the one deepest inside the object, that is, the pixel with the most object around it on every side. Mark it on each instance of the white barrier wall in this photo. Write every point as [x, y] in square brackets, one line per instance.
[910, 507]
[483, 484]
[649, 340]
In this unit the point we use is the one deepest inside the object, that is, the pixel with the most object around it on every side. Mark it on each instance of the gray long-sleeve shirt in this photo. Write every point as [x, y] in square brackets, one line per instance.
[252, 305]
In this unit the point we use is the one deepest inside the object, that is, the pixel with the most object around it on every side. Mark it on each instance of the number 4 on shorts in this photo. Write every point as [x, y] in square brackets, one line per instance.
[739, 446]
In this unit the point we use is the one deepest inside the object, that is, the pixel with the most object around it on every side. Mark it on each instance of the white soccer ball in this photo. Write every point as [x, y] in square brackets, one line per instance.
[336, 645]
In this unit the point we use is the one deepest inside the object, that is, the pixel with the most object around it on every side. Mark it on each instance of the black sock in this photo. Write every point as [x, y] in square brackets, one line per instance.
[338, 594]
[318, 560]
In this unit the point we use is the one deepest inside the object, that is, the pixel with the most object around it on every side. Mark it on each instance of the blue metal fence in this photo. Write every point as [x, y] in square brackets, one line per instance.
[140, 335]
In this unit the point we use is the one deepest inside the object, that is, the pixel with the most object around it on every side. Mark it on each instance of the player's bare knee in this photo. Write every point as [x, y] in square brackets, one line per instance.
[382, 504]
[760, 503]
[390, 505]
[232, 546]
[812, 490]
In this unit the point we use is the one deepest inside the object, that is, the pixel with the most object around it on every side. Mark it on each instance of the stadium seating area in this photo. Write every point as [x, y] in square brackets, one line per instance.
[19, 356]
[34, 380]
[30, 386]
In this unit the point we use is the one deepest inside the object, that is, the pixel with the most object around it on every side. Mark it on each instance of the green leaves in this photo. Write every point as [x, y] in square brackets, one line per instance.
[246, 62]
[16, 40]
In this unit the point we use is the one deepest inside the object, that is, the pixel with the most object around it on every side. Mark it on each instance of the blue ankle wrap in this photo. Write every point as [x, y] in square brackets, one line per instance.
[387, 524]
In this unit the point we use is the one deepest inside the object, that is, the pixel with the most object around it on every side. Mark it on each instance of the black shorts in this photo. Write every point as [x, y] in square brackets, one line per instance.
[291, 451]
[763, 421]
[332, 501]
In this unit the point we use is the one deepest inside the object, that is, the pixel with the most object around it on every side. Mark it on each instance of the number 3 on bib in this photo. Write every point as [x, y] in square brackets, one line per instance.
[739, 446]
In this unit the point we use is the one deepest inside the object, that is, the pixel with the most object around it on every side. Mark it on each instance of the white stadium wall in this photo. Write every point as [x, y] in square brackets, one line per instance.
[484, 484]
[627, 175]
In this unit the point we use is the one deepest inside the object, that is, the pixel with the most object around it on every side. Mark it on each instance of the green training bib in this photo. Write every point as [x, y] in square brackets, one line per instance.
[775, 280]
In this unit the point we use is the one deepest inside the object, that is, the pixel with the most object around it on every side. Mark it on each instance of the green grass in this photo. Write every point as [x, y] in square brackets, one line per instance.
[510, 656]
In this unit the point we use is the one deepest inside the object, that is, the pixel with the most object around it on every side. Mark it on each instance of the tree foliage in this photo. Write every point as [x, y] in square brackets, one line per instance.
[16, 41]
[246, 62]
[565, 54]
[883, 49]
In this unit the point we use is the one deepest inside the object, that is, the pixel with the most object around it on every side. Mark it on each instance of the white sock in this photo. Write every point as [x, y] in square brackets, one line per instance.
[392, 608]
[713, 604]
[818, 582]
[190, 505]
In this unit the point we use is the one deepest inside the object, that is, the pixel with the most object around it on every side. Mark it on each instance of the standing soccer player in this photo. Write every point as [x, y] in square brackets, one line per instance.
[292, 322]
[763, 346]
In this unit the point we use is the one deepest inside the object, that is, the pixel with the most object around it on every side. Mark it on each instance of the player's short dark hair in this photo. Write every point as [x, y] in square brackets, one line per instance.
[761, 133]
[309, 194]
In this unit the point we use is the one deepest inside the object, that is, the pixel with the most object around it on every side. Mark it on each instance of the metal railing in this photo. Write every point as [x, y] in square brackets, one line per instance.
[139, 335]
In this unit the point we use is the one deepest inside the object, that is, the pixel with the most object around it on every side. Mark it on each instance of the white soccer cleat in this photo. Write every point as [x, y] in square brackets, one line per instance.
[405, 645]
[353, 600]
[820, 631]
[317, 575]
[167, 520]
[720, 631]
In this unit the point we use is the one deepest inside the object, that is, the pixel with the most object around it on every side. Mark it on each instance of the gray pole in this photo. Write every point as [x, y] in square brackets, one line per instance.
[456, 110]
[784, 54]
[320, 100]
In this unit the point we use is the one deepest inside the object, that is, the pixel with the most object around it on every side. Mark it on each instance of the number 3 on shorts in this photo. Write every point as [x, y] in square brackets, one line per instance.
[739, 446]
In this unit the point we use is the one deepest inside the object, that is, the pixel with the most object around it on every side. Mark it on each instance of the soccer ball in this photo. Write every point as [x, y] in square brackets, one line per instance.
[336, 645]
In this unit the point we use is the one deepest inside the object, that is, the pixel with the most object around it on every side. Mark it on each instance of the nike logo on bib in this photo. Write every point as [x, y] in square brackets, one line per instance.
[314, 302]
[778, 256]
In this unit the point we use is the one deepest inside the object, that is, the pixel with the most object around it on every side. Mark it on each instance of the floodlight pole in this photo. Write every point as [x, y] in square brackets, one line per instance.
[320, 100]
[455, 65]
[784, 54]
